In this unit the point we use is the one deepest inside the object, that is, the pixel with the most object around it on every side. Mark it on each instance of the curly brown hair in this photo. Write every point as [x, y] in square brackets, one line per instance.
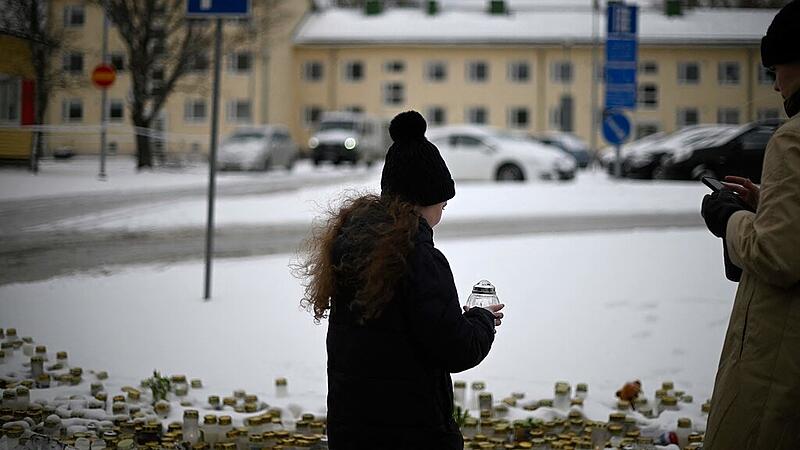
[362, 247]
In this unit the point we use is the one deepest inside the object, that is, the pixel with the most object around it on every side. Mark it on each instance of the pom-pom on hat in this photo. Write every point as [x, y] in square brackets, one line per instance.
[780, 44]
[414, 168]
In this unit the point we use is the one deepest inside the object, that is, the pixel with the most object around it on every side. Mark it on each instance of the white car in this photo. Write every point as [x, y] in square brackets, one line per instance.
[258, 148]
[483, 153]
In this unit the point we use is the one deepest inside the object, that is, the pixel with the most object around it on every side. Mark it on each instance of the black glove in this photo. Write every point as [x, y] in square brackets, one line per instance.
[718, 207]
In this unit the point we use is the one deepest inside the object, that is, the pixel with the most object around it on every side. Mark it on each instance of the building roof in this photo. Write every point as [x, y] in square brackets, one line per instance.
[570, 25]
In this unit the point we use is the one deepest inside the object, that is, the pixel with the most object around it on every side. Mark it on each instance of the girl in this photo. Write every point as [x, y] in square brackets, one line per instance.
[396, 330]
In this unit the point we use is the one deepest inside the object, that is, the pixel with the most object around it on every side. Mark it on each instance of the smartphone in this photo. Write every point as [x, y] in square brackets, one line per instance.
[714, 184]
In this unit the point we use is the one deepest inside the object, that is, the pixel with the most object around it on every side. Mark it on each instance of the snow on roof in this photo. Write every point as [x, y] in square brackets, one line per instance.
[526, 26]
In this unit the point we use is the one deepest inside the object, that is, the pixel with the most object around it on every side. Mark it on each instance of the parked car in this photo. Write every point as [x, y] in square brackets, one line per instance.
[258, 148]
[642, 161]
[739, 151]
[608, 154]
[349, 137]
[569, 143]
[483, 153]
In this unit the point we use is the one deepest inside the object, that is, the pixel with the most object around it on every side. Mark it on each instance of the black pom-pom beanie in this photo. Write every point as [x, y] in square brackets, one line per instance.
[414, 168]
[781, 44]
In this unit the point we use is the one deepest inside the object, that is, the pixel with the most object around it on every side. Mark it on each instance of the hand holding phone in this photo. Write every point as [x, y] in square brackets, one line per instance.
[714, 184]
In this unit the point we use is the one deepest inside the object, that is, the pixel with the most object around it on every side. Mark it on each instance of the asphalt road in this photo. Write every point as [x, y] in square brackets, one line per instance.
[31, 256]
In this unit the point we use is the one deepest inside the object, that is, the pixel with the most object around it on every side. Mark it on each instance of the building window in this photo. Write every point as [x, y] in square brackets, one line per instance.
[311, 116]
[765, 76]
[394, 66]
[239, 111]
[117, 61]
[561, 116]
[477, 71]
[477, 115]
[768, 114]
[519, 72]
[160, 45]
[648, 96]
[112, 148]
[72, 110]
[393, 94]
[437, 115]
[436, 71]
[689, 73]
[646, 129]
[518, 117]
[240, 62]
[728, 116]
[561, 72]
[728, 73]
[354, 71]
[9, 99]
[194, 110]
[312, 71]
[358, 109]
[688, 117]
[74, 16]
[648, 68]
[73, 63]
[199, 63]
[116, 110]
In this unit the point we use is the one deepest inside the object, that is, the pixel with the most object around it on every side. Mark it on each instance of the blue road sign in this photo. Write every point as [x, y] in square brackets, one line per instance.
[218, 8]
[616, 127]
[621, 56]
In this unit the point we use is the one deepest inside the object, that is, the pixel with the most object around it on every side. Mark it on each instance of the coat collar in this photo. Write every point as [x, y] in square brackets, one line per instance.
[792, 104]
[424, 232]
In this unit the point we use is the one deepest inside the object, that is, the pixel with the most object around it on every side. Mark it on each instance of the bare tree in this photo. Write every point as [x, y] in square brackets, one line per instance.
[30, 19]
[162, 45]
[160, 42]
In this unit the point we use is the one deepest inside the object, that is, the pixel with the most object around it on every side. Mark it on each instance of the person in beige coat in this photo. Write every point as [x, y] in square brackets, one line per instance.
[756, 400]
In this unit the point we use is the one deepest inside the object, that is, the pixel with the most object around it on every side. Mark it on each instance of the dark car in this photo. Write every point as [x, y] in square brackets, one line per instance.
[645, 161]
[739, 152]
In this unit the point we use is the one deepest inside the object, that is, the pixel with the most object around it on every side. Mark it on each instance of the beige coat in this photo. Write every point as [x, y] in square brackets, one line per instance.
[756, 401]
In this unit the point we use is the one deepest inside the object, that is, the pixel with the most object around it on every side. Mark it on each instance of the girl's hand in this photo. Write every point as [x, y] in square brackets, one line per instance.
[748, 191]
[495, 309]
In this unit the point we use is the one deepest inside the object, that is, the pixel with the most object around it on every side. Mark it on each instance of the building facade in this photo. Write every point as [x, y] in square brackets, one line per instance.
[526, 69]
[17, 88]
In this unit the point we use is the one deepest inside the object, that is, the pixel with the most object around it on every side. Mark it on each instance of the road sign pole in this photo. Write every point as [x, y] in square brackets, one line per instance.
[212, 158]
[618, 161]
[103, 103]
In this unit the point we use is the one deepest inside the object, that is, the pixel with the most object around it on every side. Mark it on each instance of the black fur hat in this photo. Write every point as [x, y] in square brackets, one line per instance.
[781, 44]
[414, 168]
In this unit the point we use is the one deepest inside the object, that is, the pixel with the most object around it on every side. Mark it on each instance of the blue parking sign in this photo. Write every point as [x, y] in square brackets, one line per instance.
[621, 55]
[217, 8]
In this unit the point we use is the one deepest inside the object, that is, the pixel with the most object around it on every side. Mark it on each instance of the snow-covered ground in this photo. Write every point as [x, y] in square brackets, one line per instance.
[590, 193]
[80, 176]
[600, 308]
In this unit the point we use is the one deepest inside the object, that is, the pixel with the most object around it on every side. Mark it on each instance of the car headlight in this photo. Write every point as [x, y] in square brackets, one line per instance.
[350, 143]
[313, 143]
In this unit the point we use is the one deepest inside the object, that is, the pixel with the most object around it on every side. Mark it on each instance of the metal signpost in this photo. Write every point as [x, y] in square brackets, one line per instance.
[103, 77]
[214, 9]
[621, 61]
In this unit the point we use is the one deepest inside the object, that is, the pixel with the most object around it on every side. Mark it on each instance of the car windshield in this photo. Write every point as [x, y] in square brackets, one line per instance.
[337, 125]
[244, 137]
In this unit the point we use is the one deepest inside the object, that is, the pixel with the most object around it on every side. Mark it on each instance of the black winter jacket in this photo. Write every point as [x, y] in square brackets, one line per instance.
[389, 383]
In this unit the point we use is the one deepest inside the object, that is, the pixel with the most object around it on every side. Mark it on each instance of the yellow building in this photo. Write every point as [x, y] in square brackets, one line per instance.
[16, 97]
[529, 68]
[254, 76]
